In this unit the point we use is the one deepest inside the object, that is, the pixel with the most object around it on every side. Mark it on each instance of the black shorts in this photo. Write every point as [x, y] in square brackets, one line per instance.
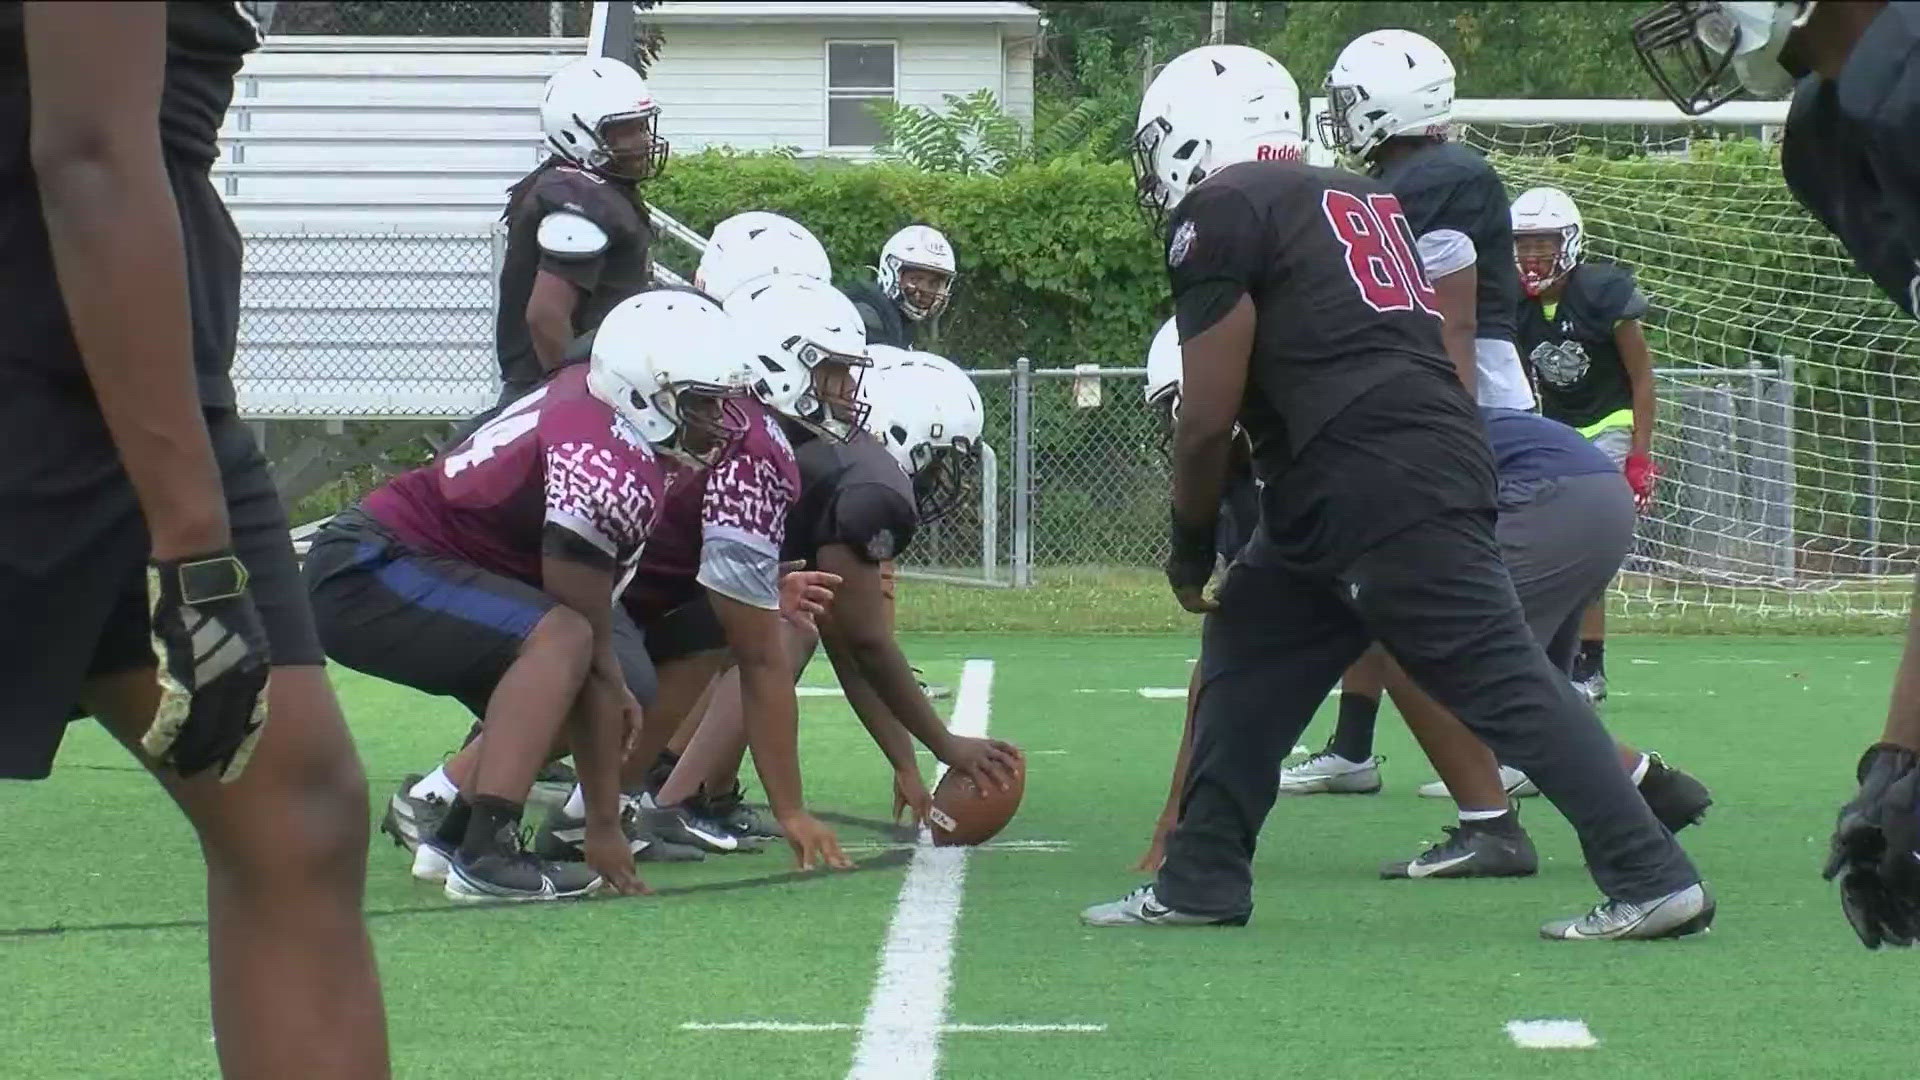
[437, 624]
[73, 554]
[675, 616]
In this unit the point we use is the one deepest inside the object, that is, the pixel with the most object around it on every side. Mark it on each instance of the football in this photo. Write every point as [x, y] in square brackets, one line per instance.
[963, 815]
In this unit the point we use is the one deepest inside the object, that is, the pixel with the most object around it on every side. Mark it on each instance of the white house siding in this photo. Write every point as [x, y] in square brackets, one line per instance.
[1017, 97]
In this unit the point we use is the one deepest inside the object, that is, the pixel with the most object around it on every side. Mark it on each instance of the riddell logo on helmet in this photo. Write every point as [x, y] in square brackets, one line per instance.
[1269, 152]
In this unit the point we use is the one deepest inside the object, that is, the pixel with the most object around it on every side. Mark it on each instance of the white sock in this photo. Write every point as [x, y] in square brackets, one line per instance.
[1481, 815]
[436, 784]
[576, 803]
[1640, 770]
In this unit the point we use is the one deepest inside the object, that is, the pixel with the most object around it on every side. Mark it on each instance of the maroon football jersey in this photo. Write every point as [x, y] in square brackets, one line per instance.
[723, 526]
[557, 456]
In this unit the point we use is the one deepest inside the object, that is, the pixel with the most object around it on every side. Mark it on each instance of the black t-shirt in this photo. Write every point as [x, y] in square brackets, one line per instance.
[851, 493]
[886, 323]
[618, 272]
[1344, 315]
[1449, 186]
[206, 43]
[1572, 351]
[1851, 152]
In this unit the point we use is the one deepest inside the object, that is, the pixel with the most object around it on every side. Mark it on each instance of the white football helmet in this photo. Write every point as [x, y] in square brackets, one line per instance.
[1387, 83]
[929, 416]
[671, 362]
[586, 101]
[811, 350]
[1547, 210]
[1211, 107]
[1163, 367]
[1703, 54]
[750, 246]
[917, 247]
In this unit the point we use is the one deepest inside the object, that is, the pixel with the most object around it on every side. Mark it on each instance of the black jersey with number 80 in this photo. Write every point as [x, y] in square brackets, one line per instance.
[1341, 301]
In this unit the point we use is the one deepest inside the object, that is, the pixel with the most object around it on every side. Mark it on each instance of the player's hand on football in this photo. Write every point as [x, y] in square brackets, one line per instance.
[212, 665]
[1875, 853]
[991, 763]
[805, 594]
[812, 842]
[911, 799]
[1156, 848]
[1642, 476]
[608, 853]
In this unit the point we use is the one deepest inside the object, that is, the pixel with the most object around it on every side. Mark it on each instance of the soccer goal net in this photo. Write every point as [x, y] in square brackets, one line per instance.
[1789, 386]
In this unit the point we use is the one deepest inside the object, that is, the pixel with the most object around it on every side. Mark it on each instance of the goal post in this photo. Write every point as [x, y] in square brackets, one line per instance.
[1789, 385]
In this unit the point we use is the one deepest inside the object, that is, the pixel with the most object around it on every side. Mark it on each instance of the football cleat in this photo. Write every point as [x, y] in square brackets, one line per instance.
[1675, 797]
[731, 812]
[553, 784]
[560, 837]
[408, 819]
[1593, 688]
[431, 859]
[1499, 848]
[512, 874]
[1330, 774]
[1677, 914]
[932, 691]
[1141, 908]
[1515, 781]
[679, 825]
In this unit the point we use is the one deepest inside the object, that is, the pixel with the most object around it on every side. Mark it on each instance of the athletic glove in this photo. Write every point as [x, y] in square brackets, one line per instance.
[1191, 558]
[212, 650]
[1873, 856]
[1641, 475]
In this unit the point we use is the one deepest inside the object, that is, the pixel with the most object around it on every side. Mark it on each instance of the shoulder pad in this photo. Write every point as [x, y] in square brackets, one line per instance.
[1605, 293]
[567, 235]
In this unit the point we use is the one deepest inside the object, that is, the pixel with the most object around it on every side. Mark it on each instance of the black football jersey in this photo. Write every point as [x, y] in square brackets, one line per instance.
[603, 280]
[1450, 186]
[1329, 262]
[1572, 352]
[886, 323]
[851, 493]
[1851, 152]
[206, 43]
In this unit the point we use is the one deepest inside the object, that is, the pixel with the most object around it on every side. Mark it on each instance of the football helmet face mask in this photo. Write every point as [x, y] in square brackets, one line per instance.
[917, 271]
[1548, 235]
[1211, 107]
[1163, 379]
[813, 352]
[929, 416]
[1383, 84]
[598, 114]
[1704, 54]
[673, 365]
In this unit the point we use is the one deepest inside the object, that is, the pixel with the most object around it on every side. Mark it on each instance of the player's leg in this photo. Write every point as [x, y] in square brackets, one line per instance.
[1438, 596]
[1269, 654]
[1347, 765]
[1589, 668]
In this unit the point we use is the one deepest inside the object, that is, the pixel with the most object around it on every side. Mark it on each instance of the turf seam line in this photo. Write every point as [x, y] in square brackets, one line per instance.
[900, 1034]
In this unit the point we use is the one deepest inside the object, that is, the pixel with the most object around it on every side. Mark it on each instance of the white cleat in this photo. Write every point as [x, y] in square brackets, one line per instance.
[1327, 773]
[1515, 781]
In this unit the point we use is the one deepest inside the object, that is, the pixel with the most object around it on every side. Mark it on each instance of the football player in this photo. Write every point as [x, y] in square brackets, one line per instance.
[912, 284]
[577, 237]
[1580, 331]
[1849, 157]
[144, 560]
[757, 244]
[488, 576]
[860, 503]
[1307, 320]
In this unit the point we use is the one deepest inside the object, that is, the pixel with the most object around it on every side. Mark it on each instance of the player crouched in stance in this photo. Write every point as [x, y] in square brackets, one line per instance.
[1849, 156]
[488, 576]
[912, 284]
[861, 501]
[719, 541]
[1306, 318]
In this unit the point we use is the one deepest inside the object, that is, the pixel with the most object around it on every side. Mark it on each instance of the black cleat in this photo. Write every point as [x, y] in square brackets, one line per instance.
[511, 874]
[1675, 797]
[732, 813]
[1497, 848]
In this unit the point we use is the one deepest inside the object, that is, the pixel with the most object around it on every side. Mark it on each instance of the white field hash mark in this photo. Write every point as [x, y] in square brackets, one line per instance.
[900, 1035]
[786, 1027]
[1551, 1035]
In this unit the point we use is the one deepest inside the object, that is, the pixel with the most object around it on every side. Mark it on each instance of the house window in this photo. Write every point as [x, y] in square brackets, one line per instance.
[859, 73]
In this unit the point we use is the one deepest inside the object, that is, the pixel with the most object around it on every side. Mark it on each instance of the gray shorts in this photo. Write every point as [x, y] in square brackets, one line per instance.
[1615, 442]
[1563, 541]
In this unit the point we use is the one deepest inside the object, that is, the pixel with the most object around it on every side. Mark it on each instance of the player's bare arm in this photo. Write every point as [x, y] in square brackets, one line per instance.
[1458, 294]
[580, 576]
[756, 637]
[1214, 363]
[550, 308]
[862, 622]
[116, 242]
